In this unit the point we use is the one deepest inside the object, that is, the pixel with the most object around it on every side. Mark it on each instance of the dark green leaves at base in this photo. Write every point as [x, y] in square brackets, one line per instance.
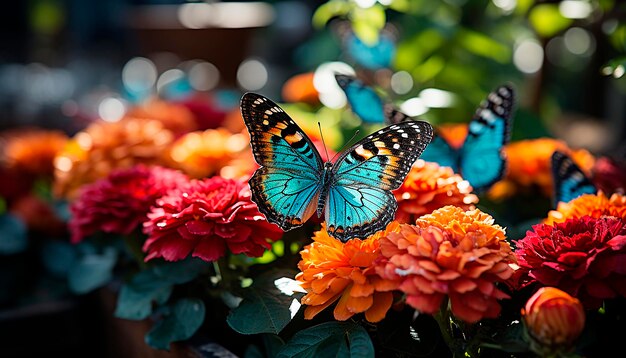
[92, 270]
[13, 238]
[330, 339]
[180, 323]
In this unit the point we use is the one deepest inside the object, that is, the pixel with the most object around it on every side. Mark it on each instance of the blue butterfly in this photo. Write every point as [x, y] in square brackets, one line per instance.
[480, 159]
[354, 193]
[363, 100]
[569, 180]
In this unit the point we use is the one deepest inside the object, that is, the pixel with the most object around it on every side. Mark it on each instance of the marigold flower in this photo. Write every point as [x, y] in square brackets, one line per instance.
[102, 147]
[120, 202]
[32, 151]
[214, 151]
[554, 320]
[429, 186]
[529, 165]
[594, 205]
[332, 271]
[174, 116]
[203, 218]
[579, 256]
[299, 88]
[454, 253]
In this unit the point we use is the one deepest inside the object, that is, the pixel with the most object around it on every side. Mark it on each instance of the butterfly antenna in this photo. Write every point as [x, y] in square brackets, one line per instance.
[348, 142]
[323, 142]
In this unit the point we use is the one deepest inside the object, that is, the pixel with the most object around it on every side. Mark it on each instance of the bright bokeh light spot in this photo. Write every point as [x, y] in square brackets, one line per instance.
[139, 74]
[619, 71]
[243, 14]
[111, 109]
[505, 5]
[414, 107]
[401, 82]
[578, 41]
[203, 76]
[436, 98]
[63, 163]
[528, 56]
[385, 2]
[330, 93]
[195, 15]
[575, 9]
[252, 75]
[365, 3]
[168, 77]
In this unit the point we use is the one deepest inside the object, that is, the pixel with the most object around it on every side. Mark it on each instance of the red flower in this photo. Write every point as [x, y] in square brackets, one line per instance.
[120, 202]
[583, 257]
[203, 218]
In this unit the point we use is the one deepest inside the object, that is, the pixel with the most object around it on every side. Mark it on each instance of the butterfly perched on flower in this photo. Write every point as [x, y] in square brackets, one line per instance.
[363, 100]
[569, 180]
[479, 159]
[354, 193]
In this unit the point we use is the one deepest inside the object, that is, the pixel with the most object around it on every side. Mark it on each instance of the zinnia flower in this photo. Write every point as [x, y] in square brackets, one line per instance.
[203, 218]
[102, 147]
[554, 320]
[428, 187]
[345, 273]
[120, 202]
[214, 152]
[450, 253]
[583, 257]
[594, 205]
[32, 151]
[529, 166]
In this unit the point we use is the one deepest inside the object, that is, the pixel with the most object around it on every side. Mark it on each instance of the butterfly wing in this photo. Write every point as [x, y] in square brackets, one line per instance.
[364, 102]
[570, 181]
[439, 151]
[286, 186]
[359, 200]
[482, 161]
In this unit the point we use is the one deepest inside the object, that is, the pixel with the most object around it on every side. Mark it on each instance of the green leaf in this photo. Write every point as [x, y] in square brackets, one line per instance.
[329, 10]
[92, 271]
[330, 339]
[59, 257]
[547, 20]
[483, 45]
[13, 235]
[180, 271]
[180, 323]
[367, 23]
[3, 206]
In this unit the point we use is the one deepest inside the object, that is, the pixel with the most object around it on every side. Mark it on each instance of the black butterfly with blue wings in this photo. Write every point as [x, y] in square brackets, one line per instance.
[569, 180]
[354, 193]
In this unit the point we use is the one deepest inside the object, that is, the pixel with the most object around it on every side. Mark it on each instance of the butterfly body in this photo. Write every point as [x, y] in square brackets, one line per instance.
[480, 159]
[353, 193]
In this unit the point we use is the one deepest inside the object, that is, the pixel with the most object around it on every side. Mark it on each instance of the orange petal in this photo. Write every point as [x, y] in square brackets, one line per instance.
[341, 311]
[361, 290]
[382, 303]
[359, 304]
[321, 284]
[312, 311]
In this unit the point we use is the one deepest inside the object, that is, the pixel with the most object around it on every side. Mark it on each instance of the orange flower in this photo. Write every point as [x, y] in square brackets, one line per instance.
[32, 151]
[334, 271]
[594, 205]
[92, 153]
[529, 165]
[214, 151]
[428, 187]
[454, 253]
[299, 88]
[554, 320]
[175, 117]
[453, 133]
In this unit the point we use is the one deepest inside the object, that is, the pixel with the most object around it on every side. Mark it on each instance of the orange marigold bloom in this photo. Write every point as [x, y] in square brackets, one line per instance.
[214, 151]
[174, 116]
[299, 88]
[454, 253]
[32, 151]
[529, 165]
[594, 205]
[554, 320]
[428, 187]
[345, 272]
[92, 153]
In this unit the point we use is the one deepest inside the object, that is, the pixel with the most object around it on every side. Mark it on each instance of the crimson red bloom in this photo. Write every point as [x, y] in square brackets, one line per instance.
[120, 202]
[203, 218]
[583, 257]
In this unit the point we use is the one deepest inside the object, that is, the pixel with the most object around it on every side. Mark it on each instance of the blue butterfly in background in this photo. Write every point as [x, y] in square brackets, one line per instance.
[569, 180]
[354, 193]
[363, 100]
[480, 159]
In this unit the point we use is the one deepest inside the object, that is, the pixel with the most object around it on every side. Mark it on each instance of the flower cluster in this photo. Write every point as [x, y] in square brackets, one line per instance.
[203, 218]
[429, 186]
[594, 205]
